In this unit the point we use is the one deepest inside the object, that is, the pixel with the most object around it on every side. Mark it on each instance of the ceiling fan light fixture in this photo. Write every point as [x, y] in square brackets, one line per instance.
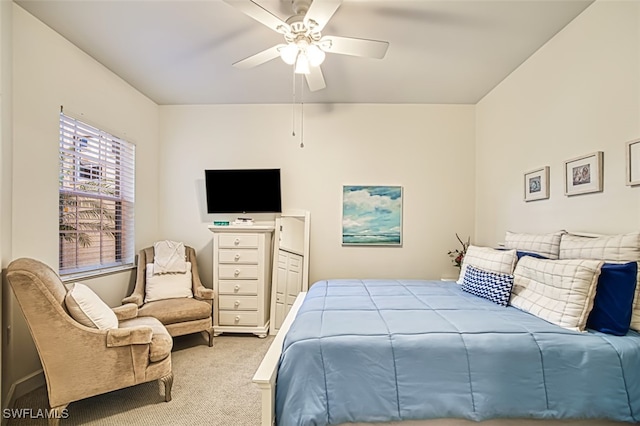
[289, 54]
[302, 64]
[316, 55]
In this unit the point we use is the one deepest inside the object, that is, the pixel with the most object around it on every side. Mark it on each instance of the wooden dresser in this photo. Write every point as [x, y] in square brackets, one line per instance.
[242, 257]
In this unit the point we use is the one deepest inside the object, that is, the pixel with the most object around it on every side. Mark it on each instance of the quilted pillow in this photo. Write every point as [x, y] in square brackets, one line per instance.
[617, 248]
[489, 285]
[88, 309]
[613, 305]
[621, 247]
[167, 285]
[488, 259]
[547, 245]
[558, 291]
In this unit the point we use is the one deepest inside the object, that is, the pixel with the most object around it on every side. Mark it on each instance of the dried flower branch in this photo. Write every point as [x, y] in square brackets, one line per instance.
[457, 255]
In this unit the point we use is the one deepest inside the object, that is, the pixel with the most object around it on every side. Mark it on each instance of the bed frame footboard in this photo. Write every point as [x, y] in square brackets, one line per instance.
[265, 376]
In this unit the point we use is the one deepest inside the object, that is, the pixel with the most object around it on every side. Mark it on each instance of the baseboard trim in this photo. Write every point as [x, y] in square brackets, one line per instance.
[23, 386]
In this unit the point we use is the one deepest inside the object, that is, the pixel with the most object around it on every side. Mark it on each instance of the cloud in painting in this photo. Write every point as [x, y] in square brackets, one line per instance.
[372, 214]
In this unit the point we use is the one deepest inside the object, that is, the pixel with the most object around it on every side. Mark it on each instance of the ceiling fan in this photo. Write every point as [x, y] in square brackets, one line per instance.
[305, 46]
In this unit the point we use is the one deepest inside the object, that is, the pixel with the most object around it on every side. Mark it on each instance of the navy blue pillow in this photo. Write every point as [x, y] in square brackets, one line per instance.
[613, 304]
[520, 254]
[489, 285]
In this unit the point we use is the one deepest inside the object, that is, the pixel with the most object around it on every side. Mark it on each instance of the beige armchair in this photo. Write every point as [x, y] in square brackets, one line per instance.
[79, 361]
[180, 315]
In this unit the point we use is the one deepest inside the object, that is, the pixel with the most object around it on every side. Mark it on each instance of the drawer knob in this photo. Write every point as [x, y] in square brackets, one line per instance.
[236, 257]
[237, 303]
[237, 287]
[237, 319]
[236, 241]
[236, 272]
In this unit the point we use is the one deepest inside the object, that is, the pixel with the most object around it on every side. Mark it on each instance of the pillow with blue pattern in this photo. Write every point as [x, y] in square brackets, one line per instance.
[489, 285]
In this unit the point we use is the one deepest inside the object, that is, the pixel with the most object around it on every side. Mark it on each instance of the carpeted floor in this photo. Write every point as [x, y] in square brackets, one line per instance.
[212, 386]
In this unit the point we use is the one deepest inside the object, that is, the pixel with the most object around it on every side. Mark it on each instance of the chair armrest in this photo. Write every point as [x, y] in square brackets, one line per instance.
[126, 311]
[140, 335]
[204, 293]
[134, 298]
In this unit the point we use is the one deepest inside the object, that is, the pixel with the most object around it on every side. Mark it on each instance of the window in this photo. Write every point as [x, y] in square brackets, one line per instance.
[96, 193]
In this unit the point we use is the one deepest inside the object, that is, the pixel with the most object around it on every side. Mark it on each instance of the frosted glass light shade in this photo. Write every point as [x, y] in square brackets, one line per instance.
[289, 53]
[315, 54]
[302, 64]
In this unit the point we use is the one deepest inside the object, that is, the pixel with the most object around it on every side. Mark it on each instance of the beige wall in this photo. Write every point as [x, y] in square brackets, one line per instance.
[49, 72]
[6, 126]
[578, 94]
[427, 149]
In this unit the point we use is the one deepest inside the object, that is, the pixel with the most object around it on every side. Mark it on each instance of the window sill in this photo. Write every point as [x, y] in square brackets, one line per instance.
[95, 273]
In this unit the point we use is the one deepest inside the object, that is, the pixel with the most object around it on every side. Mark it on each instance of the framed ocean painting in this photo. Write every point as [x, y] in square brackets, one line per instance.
[371, 215]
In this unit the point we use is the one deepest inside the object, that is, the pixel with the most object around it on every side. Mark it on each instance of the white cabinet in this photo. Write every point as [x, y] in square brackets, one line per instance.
[291, 263]
[287, 286]
[242, 257]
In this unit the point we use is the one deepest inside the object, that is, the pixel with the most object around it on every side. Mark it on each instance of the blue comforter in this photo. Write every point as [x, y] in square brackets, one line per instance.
[386, 350]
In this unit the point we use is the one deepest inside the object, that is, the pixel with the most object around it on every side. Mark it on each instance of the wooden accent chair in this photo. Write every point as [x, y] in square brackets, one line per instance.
[80, 361]
[179, 315]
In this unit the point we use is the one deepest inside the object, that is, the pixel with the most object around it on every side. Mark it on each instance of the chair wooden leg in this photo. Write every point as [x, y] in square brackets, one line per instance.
[168, 382]
[210, 333]
[56, 414]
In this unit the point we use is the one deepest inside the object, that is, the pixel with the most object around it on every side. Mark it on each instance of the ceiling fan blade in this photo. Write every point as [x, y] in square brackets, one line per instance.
[260, 57]
[354, 46]
[315, 79]
[260, 14]
[321, 11]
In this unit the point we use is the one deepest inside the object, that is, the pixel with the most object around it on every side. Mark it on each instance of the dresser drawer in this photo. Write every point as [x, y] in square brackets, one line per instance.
[238, 303]
[248, 256]
[237, 272]
[238, 318]
[238, 287]
[238, 240]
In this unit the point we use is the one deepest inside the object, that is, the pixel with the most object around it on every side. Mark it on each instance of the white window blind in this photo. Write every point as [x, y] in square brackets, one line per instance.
[96, 186]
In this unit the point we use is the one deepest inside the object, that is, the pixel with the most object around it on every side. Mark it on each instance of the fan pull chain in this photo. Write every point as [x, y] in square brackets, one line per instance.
[293, 105]
[302, 115]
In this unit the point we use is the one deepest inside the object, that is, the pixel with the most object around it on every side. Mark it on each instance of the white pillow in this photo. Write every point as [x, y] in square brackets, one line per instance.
[547, 245]
[611, 248]
[558, 291]
[620, 248]
[488, 259]
[167, 286]
[88, 309]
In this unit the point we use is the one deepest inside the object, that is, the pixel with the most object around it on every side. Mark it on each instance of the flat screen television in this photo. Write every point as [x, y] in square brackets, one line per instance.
[243, 191]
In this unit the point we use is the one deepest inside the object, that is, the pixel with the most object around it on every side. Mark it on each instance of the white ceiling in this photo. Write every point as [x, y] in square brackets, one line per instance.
[181, 51]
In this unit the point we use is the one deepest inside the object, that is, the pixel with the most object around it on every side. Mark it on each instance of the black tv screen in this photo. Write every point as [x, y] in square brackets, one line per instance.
[243, 191]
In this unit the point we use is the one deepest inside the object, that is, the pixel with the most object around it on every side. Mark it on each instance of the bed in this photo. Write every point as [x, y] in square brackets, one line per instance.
[415, 352]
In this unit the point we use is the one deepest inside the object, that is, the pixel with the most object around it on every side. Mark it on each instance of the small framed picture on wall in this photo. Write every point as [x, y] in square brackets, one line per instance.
[536, 184]
[633, 163]
[583, 175]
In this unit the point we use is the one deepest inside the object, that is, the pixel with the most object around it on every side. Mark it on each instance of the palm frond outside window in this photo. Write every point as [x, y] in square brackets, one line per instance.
[96, 199]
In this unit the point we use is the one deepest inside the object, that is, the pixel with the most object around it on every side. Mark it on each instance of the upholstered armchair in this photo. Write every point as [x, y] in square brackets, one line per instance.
[81, 361]
[180, 315]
